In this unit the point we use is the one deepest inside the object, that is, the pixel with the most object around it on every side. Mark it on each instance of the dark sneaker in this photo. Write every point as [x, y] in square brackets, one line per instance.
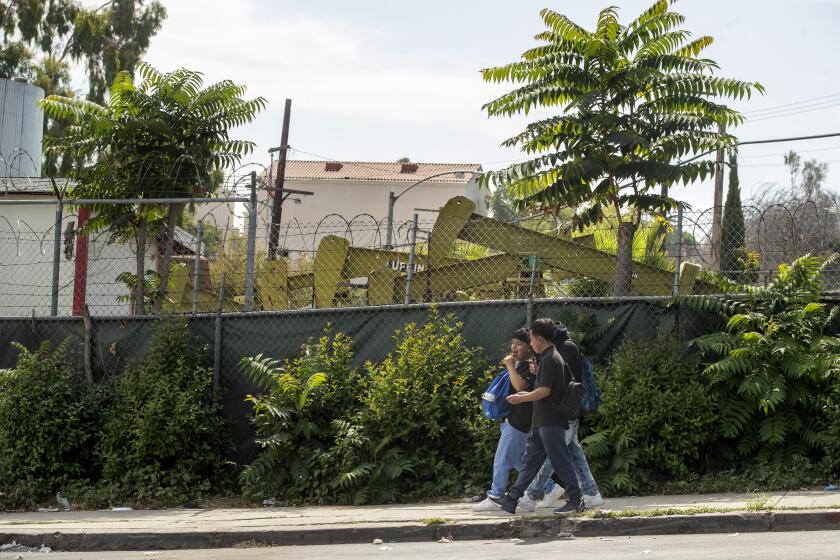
[507, 503]
[570, 508]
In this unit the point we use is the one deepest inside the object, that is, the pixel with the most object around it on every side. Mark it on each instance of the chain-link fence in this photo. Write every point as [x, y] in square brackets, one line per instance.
[49, 267]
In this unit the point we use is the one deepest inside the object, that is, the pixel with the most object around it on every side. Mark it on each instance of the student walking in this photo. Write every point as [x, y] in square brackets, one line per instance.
[570, 353]
[547, 437]
[515, 426]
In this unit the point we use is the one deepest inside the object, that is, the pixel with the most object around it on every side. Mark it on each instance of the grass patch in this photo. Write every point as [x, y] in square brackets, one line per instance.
[429, 521]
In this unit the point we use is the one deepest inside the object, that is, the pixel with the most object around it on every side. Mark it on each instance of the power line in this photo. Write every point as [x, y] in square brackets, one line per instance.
[776, 107]
[777, 154]
[792, 113]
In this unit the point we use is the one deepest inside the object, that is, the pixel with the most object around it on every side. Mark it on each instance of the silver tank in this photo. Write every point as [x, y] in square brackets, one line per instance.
[21, 128]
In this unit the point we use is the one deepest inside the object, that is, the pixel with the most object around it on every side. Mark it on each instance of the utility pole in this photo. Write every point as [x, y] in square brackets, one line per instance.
[277, 207]
[718, 205]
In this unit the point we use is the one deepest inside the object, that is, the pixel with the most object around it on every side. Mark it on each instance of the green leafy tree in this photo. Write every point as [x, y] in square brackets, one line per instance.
[733, 229]
[773, 364]
[42, 38]
[166, 136]
[636, 100]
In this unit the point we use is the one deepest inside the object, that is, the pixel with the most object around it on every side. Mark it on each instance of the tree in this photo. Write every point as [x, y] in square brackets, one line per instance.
[164, 137]
[503, 206]
[733, 229]
[805, 178]
[636, 99]
[42, 37]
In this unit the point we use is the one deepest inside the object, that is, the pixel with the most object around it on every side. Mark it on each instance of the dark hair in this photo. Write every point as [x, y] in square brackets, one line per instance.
[544, 328]
[521, 334]
[561, 333]
[556, 333]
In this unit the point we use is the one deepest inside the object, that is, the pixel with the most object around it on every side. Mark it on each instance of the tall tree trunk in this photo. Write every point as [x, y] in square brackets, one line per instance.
[624, 259]
[169, 243]
[139, 297]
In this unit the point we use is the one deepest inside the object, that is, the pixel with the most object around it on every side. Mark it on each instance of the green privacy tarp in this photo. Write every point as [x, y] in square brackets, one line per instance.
[118, 341]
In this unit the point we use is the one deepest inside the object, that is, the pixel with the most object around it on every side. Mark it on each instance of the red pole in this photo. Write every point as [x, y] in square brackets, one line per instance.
[80, 275]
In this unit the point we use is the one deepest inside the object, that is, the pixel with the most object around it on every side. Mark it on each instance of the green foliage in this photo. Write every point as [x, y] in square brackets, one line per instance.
[773, 364]
[164, 136]
[636, 102]
[831, 437]
[422, 397]
[164, 438]
[734, 257]
[656, 418]
[294, 419]
[40, 38]
[48, 422]
[405, 428]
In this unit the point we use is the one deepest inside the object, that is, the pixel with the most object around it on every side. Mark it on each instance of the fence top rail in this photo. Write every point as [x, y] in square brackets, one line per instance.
[123, 201]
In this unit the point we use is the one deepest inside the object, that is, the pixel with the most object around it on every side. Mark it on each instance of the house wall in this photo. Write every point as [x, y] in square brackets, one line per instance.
[365, 203]
[26, 256]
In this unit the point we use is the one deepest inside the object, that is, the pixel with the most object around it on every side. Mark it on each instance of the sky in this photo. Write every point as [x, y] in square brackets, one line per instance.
[376, 80]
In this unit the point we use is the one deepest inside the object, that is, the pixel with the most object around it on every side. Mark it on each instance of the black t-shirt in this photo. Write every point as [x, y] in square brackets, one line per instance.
[550, 374]
[520, 414]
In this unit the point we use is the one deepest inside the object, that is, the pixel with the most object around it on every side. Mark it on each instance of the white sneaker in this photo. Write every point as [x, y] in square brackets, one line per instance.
[551, 499]
[526, 503]
[593, 501]
[486, 505]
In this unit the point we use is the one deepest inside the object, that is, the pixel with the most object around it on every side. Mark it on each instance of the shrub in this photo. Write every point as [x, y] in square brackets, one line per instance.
[48, 419]
[423, 398]
[403, 429]
[164, 439]
[773, 364]
[656, 417]
[831, 437]
[297, 420]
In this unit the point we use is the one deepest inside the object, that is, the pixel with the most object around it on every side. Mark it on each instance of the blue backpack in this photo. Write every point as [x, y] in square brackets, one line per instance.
[494, 401]
[592, 396]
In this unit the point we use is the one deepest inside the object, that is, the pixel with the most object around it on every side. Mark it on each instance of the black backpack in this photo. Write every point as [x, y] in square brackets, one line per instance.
[569, 406]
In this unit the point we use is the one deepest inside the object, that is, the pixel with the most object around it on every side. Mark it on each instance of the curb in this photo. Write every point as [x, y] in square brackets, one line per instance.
[736, 522]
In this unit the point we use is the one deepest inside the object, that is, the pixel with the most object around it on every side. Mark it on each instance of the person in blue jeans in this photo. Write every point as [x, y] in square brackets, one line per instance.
[591, 494]
[514, 429]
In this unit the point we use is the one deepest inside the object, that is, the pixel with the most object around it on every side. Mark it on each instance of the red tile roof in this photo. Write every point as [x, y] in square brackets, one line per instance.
[377, 171]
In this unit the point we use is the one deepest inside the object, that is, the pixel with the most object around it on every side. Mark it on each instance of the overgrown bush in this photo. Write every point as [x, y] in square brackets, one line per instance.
[656, 419]
[405, 428]
[773, 366]
[164, 438]
[831, 436]
[297, 420]
[423, 398]
[48, 422]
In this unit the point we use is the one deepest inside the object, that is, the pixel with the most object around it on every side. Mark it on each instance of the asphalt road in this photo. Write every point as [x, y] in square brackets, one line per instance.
[815, 545]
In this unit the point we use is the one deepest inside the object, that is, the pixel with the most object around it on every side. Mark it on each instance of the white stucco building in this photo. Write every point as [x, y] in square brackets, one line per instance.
[351, 199]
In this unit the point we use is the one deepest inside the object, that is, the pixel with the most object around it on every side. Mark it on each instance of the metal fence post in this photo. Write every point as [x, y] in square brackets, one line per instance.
[56, 258]
[678, 262]
[217, 336]
[252, 243]
[196, 276]
[529, 306]
[410, 271]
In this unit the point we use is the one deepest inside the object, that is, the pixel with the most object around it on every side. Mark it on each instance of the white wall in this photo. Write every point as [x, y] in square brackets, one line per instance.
[363, 202]
[26, 257]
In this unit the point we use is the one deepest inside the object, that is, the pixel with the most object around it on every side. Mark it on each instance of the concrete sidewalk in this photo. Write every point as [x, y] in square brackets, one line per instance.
[195, 528]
